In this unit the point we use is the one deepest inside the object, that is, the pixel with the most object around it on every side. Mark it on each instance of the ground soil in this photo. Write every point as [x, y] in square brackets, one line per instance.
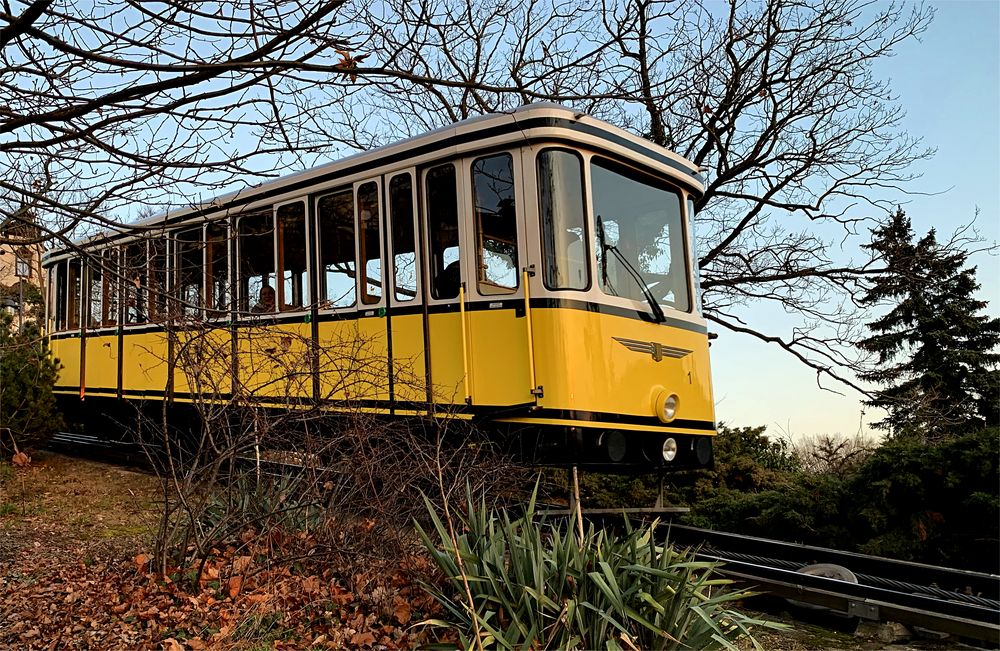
[75, 540]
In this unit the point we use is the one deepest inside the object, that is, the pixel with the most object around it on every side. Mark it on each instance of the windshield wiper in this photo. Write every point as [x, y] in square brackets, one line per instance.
[605, 247]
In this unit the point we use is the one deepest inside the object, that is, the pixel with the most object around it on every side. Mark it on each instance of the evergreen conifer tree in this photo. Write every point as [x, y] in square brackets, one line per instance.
[935, 350]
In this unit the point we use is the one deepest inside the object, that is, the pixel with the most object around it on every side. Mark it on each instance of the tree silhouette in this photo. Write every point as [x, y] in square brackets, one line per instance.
[934, 347]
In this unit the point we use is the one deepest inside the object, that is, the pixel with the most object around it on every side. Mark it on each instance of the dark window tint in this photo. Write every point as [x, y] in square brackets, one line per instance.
[134, 283]
[190, 266]
[75, 298]
[112, 287]
[256, 246]
[404, 252]
[293, 287]
[61, 292]
[158, 284]
[217, 269]
[371, 251]
[496, 223]
[335, 214]
[442, 227]
[564, 230]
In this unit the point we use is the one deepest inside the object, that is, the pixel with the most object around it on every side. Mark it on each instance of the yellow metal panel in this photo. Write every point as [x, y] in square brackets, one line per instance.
[67, 353]
[202, 361]
[274, 361]
[102, 362]
[446, 358]
[144, 362]
[499, 358]
[373, 370]
[353, 359]
[409, 379]
[583, 367]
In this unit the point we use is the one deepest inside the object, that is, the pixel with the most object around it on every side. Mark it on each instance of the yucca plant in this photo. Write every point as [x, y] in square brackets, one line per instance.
[533, 585]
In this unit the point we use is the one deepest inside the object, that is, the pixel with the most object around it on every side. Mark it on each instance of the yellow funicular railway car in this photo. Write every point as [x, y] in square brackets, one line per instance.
[531, 271]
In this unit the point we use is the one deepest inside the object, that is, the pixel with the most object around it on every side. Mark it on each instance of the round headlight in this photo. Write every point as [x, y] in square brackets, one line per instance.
[665, 405]
[669, 450]
[670, 406]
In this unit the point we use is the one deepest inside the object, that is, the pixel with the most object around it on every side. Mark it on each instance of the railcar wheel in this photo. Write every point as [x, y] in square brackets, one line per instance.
[821, 614]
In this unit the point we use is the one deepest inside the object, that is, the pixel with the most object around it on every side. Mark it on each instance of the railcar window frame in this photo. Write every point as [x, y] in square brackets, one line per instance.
[694, 276]
[332, 213]
[158, 274]
[371, 293]
[403, 233]
[218, 298]
[438, 269]
[111, 287]
[135, 283]
[298, 281]
[547, 239]
[91, 320]
[189, 258]
[75, 296]
[635, 174]
[484, 181]
[260, 308]
[59, 284]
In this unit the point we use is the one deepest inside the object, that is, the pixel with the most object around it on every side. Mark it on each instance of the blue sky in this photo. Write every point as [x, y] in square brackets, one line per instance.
[949, 84]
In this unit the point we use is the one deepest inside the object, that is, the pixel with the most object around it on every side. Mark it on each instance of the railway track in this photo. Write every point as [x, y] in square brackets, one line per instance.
[957, 602]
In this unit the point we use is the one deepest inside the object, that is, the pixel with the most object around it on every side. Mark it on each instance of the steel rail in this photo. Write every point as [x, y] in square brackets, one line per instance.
[867, 579]
[955, 580]
[867, 602]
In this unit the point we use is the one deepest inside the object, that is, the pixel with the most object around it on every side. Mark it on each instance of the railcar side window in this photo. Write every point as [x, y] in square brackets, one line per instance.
[563, 220]
[75, 297]
[95, 293]
[371, 252]
[190, 265]
[335, 216]
[638, 238]
[293, 286]
[442, 226]
[404, 252]
[158, 284]
[111, 288]
[217, 268]
[496, 223]
[135, 283]
[60, 298]
[256, 254]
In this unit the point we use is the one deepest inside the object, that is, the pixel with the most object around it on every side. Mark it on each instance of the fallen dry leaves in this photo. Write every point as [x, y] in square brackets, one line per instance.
[62, 587]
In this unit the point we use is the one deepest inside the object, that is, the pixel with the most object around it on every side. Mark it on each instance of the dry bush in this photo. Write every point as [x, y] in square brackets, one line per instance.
[833, 453]
[249, 470]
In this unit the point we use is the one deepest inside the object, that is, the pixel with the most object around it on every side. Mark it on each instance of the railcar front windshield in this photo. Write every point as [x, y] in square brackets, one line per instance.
[638, 236]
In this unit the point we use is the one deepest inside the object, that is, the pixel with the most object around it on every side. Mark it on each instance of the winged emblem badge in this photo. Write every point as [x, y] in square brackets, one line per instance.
[655, 350]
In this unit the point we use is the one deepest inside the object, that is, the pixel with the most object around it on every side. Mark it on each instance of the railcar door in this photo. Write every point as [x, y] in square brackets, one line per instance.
[498, 318]
[371, 348]
[447, 384]
[405, 318]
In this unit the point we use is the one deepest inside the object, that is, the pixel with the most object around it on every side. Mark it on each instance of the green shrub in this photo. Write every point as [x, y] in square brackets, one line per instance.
[534, 586]
[27, 373]
[913, 500]
[930, 503]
